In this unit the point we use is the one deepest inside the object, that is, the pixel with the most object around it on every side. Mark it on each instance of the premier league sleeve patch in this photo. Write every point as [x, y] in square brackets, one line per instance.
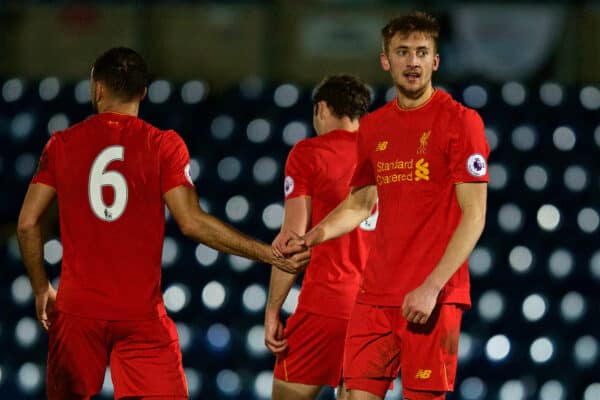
[476, 165]
[288, 185]
[187, 171]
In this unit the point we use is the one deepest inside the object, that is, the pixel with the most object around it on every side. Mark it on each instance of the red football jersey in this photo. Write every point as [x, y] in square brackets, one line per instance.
[415, 157]
[321, 167]
[110, 173]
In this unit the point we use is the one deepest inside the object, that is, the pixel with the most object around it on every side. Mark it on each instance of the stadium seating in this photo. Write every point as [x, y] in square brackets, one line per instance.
[533, 331]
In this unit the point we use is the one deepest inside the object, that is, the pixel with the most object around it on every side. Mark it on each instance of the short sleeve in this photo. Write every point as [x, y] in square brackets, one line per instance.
[363, 172]
[174, 162]
[469, 149]
[46, 170]
[299, 171]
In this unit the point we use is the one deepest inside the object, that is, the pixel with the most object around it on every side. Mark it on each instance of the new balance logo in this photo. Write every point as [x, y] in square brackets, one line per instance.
[381, 146]
[423, 374]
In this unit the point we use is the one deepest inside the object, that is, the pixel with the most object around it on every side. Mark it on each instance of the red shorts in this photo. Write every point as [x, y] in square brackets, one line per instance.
[144, 357]
[381, 342]
[315, 350]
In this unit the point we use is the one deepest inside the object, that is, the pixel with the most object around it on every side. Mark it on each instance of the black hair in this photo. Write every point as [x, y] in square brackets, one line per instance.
[345, 95]
[123, 71]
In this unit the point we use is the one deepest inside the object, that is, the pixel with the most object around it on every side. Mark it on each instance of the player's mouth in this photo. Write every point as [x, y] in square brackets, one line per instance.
[412, 76]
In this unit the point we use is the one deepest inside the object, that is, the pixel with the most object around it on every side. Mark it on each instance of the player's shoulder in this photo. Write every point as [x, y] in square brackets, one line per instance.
[374, 117]
[304, 148]
[307, 144]
[157, 135]
[455, 108]
[73, 130]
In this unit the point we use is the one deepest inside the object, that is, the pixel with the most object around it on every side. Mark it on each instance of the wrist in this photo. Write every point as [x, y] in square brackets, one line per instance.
[41, 288]
[315, 236]
[434, 284]
[272, 310]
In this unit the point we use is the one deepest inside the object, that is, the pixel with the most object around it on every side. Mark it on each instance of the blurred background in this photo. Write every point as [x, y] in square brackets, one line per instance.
[234, 78]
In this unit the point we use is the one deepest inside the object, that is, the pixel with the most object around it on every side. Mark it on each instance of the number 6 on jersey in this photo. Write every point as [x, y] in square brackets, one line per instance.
[99, 178]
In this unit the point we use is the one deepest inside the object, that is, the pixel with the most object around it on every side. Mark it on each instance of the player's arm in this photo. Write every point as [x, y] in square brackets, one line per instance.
[296, 219]
[202, 227]
[29, 234]
[472, 199]
[345, 217]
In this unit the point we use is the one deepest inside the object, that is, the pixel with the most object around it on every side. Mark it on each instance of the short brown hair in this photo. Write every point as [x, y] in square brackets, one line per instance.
[346, 95]
[418, 21]
[123, 71]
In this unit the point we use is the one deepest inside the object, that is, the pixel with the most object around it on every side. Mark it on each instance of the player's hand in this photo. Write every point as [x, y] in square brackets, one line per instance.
[274, 338]
[44, 305]
[293, 264]
[313, 237]
[419, 304]
[286, 243]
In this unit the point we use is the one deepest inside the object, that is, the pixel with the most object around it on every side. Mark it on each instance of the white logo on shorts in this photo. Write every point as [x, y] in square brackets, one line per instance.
[288, 185]
[476, 165]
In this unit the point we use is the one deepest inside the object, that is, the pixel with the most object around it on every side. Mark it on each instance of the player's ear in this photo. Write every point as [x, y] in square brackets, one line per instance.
[99, 91]
[143, 96]
[385, 62]
[322, 109]
[436, 61]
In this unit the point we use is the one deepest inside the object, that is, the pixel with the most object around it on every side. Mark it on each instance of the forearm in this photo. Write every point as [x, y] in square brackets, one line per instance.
[222, 237]
[346, 216]
[31, 247]
[279, 288]
[459, 247]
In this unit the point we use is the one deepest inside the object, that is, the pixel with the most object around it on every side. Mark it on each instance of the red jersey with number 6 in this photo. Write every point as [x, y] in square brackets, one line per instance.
[110, 173]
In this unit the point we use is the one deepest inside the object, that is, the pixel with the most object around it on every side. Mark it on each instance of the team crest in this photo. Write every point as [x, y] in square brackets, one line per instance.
[476, 165]
[423, 142]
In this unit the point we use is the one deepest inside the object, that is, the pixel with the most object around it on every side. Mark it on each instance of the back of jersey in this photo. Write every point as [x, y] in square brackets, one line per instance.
[110, 173]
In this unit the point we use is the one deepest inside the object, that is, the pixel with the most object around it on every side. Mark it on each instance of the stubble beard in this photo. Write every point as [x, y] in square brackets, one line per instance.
[412, 94]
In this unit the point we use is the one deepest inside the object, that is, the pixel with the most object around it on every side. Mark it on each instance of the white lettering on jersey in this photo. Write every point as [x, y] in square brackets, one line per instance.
[100, 177]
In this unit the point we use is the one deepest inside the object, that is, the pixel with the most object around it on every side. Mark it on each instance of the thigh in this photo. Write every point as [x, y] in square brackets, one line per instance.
[315, 350]
[294, 391]
[145, 360]
[372, 351]
[429, 352]
[77, 356]
[154, 398]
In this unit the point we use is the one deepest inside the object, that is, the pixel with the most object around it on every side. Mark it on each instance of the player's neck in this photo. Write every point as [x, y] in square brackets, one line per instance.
[344, 124]
[407, 103]
[129, 108]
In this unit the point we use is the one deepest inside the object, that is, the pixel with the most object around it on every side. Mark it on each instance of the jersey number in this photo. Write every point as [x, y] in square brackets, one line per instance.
[99, 177]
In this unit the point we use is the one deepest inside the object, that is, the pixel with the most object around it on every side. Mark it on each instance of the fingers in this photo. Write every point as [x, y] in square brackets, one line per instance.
[276, 346]
[416, 317]
[41, 303]
[44, 321]
[276, 251]
[286, 266]
[275, 340]
[287, 243]
[301, 257]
